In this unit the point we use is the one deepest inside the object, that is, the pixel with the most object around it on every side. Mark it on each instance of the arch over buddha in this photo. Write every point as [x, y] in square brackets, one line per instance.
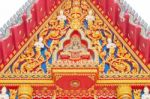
[75, 49]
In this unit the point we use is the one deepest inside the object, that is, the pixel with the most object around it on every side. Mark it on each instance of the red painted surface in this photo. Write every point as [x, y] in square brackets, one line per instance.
[75, 97]
[19, 34]
[50, 5]
[107, 98]
[102, 4]
[144, 47]
[65, 82]
[41, 10]
[43, 92]
[113, 11]
[123, 24]
[7, 48]
[42, 98]
[31, 22]
[1, 58]
[134, 34]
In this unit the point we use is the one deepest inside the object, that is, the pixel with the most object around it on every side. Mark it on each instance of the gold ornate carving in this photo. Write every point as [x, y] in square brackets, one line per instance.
[13, 93]
[25, 92]
[137, 94]
[124, 91]
[76, 15]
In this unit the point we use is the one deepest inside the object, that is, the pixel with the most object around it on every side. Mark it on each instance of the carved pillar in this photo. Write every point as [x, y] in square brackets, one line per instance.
[137, 93]
[124, 92]
[25, 92]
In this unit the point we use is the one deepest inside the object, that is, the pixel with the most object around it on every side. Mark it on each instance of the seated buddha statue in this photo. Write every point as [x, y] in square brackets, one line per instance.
[75, 50]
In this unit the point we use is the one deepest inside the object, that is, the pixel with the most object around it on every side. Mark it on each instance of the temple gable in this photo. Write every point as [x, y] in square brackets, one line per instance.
[74, 49]
[77, 36]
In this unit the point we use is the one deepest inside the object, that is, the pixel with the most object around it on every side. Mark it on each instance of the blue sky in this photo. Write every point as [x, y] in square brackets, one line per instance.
[9, 7]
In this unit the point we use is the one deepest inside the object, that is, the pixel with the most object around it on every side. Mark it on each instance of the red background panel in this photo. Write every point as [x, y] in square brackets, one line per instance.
[19, 34]
[113, 12]
[41, 10]
[144, 47]
[108, 98]
[1, 61]
[7, 48]
[134, 34]
[123, 24]
[102, 4]
[50, 5]
[32, 22]
[84, 82]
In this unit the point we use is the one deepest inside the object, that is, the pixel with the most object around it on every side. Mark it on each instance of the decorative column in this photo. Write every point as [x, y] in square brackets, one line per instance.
[137, 93]
[124, 92]
[25, 92]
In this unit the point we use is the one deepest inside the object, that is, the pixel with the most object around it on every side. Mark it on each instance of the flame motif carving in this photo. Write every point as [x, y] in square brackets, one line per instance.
[109, 54]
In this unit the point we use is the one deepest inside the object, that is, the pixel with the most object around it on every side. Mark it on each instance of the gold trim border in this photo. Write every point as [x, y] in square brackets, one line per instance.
[72, 70]
[99, 82]
[123, 82]
[26, 81]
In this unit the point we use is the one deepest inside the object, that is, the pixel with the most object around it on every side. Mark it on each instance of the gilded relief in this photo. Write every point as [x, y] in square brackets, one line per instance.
[93, 45]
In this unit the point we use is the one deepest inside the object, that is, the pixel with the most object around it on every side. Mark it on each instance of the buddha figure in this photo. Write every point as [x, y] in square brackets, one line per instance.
[75, 49]
[111, 46]
[62, 19]
[4, 94]
[75, 44]
[39, 44]
[90, 18]
[146, 94]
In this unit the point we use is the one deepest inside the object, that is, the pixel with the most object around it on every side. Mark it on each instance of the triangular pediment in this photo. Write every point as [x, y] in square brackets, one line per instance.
[77, 35]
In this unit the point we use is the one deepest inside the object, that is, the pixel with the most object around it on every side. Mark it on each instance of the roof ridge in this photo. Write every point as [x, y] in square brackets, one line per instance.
[15, 19]
[136, 18]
